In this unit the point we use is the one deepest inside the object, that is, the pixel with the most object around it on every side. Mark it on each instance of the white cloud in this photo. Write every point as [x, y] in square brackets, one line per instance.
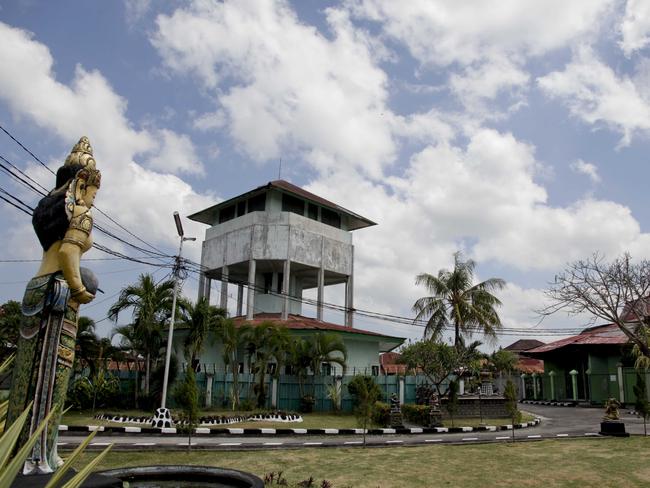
[210, 121]
[176, 154]
[294, 89]
[584, 168]
[442, 33]
[596, 94]
[635, 26]
[136, 9]
[89, 106]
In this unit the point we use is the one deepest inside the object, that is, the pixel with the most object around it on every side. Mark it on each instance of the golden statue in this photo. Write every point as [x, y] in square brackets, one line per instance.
[63, 223]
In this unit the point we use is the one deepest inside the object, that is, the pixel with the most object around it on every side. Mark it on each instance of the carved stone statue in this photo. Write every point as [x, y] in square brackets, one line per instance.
[63, 223]
[435, 415]
[611, 409]
[396, 420]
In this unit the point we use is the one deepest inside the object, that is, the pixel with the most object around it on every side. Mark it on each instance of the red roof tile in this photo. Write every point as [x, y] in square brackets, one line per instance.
[602, 334]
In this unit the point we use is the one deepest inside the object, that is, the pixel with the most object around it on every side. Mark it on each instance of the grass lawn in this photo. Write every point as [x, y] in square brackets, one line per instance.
[316, 420]
[560, 463]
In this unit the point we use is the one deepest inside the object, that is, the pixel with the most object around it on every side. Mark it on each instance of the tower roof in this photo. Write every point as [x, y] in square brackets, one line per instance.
[356, 221]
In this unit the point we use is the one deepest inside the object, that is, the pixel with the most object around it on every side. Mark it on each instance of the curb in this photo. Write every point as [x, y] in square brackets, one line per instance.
[548, 403]
[264, 432]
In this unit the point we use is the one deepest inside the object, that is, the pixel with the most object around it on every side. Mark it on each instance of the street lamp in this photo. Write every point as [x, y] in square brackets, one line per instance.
[163, 413]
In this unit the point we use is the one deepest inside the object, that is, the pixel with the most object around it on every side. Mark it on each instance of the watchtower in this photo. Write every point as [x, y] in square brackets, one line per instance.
[282, 240]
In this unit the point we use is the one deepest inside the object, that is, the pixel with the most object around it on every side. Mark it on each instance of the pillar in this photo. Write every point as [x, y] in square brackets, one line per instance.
[208, 389]
[240, 300]
[621, 386]
[551, 376]
[250, 301]
[224, 288]
[274, 393]
[461, 387]
[574, 383]
[205, 284]
[523, 386]
[321, 293]
[534, 376]
[401, 390]
[285, 289]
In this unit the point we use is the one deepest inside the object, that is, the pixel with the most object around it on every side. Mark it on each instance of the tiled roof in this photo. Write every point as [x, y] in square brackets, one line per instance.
[298, 322]
[524, 345]
[599, 335]
[530, 365]
[389, 362]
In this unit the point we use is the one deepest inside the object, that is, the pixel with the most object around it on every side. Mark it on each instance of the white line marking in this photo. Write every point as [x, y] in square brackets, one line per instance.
[312, 444]
[416, 430]
[132, 429]
[236, 431]
[61, 443]
[394, 442]
[100, 443]
[501, 438]
[63, 427]
[331, 431]
[202, 430]
[388, 431]
[470, 439]
[432, 440]
[144, 444]
[562, 435]
[299, 431]
[229, 444]
[591, 433]
[536, 436]
[268, 431]
[273, 443]
[467, 429]
[353, 442]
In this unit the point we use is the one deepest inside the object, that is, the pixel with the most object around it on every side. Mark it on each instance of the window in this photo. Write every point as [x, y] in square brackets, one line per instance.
[312, 211]
[270, 368]
[240, 368]
[375, 370]
[268, 282]
[330, 217]
[326, 369]
[241, 208]
[279, 285]
[288, 370]
[226, 214]
[293, 204]
[257, 203]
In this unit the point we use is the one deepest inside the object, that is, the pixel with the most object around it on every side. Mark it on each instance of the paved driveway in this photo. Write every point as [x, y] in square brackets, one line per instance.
[557, 422]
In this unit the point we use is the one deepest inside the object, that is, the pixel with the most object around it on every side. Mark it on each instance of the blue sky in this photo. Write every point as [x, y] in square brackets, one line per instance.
[514, 131]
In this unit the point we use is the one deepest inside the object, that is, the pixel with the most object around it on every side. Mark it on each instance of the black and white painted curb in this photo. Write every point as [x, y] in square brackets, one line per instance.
[263, 431]
[548, 403]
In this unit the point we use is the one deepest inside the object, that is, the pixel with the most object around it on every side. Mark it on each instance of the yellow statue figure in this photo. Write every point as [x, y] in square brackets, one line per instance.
[63, 223]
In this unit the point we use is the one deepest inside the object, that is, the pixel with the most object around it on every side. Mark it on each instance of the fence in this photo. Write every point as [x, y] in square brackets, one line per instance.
[285, 391]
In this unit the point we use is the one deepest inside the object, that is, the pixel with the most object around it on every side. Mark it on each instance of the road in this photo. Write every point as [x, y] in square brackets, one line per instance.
[557, 423]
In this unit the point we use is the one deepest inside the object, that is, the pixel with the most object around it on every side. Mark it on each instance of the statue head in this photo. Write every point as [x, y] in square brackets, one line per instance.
[77, 182]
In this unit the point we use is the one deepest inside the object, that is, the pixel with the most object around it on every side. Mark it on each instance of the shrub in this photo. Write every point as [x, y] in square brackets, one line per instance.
[381, 414]
[417, 414]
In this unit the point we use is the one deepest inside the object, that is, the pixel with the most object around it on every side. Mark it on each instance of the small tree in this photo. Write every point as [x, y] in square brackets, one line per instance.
[437, 360]
[642, 406]
[616, 292]
[510, 393]
[366, 393]
[452, 400]
[186, 396]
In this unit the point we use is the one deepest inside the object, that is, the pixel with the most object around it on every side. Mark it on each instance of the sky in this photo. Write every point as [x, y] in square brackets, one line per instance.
[516, 132]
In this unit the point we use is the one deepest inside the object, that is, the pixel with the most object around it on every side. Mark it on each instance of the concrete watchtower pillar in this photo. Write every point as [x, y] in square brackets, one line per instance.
[278, 240]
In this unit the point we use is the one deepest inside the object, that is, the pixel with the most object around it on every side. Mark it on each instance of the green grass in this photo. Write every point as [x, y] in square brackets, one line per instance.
[560, 463]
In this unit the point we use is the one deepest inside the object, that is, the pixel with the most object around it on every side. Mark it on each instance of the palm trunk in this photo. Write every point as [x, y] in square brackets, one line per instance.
[235, 387]
[147, 372]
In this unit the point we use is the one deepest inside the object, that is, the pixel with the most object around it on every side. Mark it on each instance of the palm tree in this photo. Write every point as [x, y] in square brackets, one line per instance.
[455, 301]
[232, 338]
[327, 348]
[87, 346]
[200, 319]
[266, 342]
[151, 305]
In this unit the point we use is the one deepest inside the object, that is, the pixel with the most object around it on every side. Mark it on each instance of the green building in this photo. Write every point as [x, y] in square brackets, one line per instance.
[586, 368]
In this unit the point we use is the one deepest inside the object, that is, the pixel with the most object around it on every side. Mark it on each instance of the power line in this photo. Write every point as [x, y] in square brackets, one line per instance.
[27, 150]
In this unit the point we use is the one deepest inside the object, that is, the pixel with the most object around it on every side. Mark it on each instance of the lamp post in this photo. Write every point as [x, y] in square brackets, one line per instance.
[177, 269]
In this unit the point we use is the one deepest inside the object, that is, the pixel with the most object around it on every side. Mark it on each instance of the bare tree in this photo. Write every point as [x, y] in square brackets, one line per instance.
[617, 292]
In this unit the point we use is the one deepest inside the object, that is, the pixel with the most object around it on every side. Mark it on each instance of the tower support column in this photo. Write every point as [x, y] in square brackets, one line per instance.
[240, 300]
[285, 289]
[321, 290]
[224, 288]
[250, 302]
[205, 284]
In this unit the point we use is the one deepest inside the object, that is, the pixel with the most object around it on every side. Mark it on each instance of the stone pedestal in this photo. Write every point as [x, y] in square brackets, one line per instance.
[396, 421]
[613, 427]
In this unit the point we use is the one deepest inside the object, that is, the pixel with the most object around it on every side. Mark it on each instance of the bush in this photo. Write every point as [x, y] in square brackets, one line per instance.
[307, 404]
[417, 414]
[381, 414]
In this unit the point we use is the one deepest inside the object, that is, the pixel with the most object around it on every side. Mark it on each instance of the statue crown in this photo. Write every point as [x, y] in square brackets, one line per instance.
[81, 154]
